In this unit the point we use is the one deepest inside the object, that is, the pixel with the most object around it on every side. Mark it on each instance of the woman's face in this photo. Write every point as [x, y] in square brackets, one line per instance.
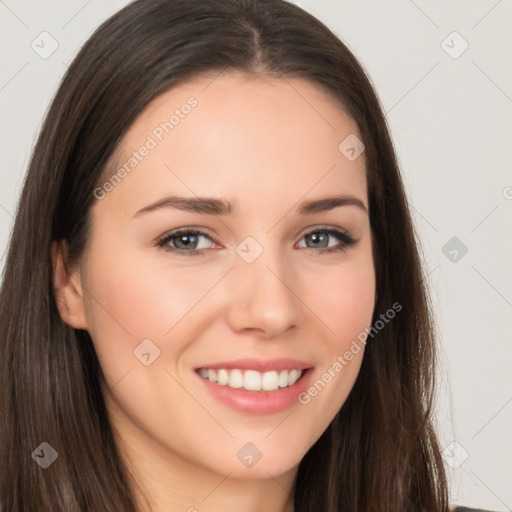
[251, 296]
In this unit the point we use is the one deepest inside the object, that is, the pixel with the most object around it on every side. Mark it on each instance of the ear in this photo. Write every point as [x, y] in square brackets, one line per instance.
[67, 287]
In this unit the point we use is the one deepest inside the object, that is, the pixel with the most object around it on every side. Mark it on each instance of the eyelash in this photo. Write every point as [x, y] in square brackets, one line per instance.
[345, 237]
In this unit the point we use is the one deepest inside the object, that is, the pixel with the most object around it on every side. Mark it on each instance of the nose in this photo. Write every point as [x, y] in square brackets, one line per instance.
[262, 297]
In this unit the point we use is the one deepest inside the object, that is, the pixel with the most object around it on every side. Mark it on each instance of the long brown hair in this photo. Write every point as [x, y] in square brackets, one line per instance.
[380, 453]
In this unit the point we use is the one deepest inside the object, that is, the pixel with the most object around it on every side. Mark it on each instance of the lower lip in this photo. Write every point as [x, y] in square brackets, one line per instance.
[259, 402]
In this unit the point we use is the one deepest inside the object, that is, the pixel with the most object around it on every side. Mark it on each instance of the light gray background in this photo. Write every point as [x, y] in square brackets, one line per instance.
[451, 122]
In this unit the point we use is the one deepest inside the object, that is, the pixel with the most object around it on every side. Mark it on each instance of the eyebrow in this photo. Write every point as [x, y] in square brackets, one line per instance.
[213, 206]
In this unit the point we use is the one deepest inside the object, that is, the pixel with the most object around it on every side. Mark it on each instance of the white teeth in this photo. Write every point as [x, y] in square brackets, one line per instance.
[293, 377]
[252, 380]
[222, 377]
[236, 379]
[283, 379]
[269, 381]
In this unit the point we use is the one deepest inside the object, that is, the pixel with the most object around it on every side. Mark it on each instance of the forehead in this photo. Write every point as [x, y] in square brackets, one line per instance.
[233, 135]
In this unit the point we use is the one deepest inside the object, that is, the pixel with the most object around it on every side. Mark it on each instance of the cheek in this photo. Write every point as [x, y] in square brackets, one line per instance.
[129, 301]
[138, 294]
[134, 297]
[344, 300]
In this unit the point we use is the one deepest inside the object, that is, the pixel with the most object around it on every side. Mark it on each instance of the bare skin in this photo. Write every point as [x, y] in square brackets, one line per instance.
[266, 145]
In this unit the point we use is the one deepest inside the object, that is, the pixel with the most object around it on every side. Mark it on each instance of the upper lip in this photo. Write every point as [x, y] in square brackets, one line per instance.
[261, 365]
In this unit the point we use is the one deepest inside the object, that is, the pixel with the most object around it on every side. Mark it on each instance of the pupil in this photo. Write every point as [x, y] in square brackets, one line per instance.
[184, 237]
[316, 237]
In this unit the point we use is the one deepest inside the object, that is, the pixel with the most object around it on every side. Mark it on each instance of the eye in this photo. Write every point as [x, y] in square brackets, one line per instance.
[320, 240]
[186, 241]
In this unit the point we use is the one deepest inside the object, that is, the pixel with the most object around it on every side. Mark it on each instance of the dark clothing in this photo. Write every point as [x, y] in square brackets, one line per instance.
[466, 509]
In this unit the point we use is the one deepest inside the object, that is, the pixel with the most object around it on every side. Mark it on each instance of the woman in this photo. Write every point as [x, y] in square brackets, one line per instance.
[213, 296]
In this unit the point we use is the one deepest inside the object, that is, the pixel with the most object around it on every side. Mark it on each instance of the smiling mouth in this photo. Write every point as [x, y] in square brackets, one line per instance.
[251, 380]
